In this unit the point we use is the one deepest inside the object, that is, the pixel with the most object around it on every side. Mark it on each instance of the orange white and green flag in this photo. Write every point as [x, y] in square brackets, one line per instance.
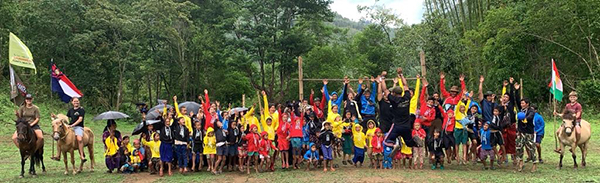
[556, 86]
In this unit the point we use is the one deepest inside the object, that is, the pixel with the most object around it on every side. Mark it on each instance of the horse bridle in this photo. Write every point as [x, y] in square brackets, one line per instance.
[26, 133]
[62, 133]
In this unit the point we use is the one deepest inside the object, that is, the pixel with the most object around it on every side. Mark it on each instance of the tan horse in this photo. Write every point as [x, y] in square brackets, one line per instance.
[67, 142]
[566, 137]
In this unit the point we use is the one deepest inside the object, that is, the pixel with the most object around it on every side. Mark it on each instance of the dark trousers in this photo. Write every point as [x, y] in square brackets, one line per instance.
[403, 131]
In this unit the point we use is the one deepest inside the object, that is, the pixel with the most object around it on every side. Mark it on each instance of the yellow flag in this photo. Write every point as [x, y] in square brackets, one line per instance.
[19, 54]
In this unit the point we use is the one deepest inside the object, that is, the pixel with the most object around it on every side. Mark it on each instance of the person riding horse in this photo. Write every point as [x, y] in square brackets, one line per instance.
[30, 113]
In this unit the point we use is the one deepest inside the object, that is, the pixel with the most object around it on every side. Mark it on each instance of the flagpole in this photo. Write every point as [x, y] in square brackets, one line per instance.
[554, 124]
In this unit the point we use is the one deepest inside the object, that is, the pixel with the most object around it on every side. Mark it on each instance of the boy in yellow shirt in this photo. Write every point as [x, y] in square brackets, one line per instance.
[360, 143]
[154, 149]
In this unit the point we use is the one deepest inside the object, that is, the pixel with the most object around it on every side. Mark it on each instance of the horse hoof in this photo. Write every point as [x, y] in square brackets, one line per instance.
[74, 173]
[66, 173]
[21, 176]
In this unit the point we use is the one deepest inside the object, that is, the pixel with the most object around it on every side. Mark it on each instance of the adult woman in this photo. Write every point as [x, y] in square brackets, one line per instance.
[76, 116]
[31, 114]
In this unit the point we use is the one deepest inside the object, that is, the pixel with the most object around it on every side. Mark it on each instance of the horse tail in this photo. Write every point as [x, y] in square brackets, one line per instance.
[38, 156]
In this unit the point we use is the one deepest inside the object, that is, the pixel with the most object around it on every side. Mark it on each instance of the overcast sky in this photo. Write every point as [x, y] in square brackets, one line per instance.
[411, 11]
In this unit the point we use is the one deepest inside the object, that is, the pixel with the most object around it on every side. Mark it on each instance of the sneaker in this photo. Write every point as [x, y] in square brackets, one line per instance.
[344, 163]
[433, 167]
[541, 161]
[493, 168]
[442, 167]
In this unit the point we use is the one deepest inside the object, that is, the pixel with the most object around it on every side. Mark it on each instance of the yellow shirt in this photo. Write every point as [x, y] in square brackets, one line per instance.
[337, 128]
[188, 121]
[210, 145]
[154, 147]
[270, 129]
[331, 116]
[414, 100]
[460, 115]
[249, 119]
[405, 149]
[359, 138]
[111, 146]
[370, 133]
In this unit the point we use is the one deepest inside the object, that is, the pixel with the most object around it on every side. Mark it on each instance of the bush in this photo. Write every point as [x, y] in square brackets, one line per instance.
[589, 94]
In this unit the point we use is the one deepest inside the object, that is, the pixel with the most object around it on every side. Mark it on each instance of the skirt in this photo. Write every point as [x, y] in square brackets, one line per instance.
[166, 152]
[283, 144]
[347, 144]
[510, 136]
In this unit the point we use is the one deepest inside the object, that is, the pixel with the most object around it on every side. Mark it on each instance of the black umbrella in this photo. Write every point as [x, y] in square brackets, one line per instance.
[111, 115]
[190, 106]
[143, 126]
[237, 109]
[160, 107]
[139, 129]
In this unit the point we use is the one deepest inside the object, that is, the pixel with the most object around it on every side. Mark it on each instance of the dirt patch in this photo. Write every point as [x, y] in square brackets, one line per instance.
[141, 178]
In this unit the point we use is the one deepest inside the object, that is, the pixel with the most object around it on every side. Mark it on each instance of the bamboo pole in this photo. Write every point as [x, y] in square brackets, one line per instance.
[300, 81]
[423, 68]
[554, 124]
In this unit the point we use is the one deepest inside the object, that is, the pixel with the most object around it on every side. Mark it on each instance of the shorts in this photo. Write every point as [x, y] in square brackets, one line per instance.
[448, 140]
[460, 136]
[347, 144]
[327, 152]
[78, 130]
[306, 143]
[252, 153]
[497, 139]
[538, 139]
[296, 142]
[483, 154]
[36, 127]
[223, 150]
[232, 150]
[155, 160]
[377, 155]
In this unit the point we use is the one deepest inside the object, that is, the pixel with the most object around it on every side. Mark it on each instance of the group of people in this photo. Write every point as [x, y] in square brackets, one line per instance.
[394, 127]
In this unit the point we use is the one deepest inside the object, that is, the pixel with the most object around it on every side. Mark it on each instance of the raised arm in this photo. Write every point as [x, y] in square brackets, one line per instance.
[422, 99]
[373, 89]
[265, 105]
[414, 100]
[480, 93]
[444, 93]
[463, 87]
[379, 90]
[325, 91]
[177, 107]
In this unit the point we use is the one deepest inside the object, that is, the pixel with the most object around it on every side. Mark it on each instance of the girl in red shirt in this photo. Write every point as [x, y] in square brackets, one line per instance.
[295, 136]
[264, 149]
[418, 135]
[253, 140]
[283, 135]
[377, 144]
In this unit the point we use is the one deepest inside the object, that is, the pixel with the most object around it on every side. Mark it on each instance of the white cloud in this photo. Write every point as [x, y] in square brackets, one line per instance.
[411, 11]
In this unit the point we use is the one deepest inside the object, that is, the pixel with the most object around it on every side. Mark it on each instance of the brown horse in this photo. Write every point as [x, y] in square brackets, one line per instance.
[67, 142]
[566, 137]
[28, 147]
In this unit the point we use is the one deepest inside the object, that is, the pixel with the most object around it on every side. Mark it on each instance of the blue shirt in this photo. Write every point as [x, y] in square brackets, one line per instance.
[487, 110]
[538, 124]
[311, 155]
[305, 133]
[368, 104]
[486, 142]
[338, 101]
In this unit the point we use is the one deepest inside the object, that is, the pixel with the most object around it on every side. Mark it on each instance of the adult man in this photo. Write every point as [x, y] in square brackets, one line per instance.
[401, 112]
[525, 131]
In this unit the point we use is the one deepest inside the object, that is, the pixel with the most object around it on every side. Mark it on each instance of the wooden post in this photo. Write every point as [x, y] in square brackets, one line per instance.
[521, 81]
[423, 69]
[243, 100]
[300, 77]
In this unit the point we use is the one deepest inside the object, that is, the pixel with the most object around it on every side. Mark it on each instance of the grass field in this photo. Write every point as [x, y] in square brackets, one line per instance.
[547, 172]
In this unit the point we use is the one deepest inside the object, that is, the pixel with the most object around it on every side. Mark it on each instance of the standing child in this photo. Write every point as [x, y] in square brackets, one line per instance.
[496, 127]
[360, 143]
[253, 142]
[296, 137]
[264, 150]
[154, 146]
[210, 148]
[111, 157]
[486, 146]
[436, 150]
[311, 156]
[197, 148]
[326, 138]
[538, 124]
[448, 136]
[370, 133]
[137, 156]
[166, 145]
[377, 144]
[347, 138]
[233, 137]
[181, 136]
[418, 151]
[222, 147]
[282, 139]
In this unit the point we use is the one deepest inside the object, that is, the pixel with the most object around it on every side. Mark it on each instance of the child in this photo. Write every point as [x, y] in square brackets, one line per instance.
[473, 132]
[210, 148]
[448, 135]
[311, 156]
[460, 134]
[405, 154]
[252, 139]
[233, 137]
[326, 138]
[347, 139]
[122, 153]
[137, 156]
[282, 139]
[486, 146]
[418, 135]
[166, 145]
[181, 136]
[127, 166]
[222, 147]
[197, 147]
[111, 158]
[264, 149]
[296, 137]
[436, 150]
[337, 130]
[370, 133]
[155, 149]
[575, 108]
[538, 124]
[496, 131]
[377, 145]
[360, 142]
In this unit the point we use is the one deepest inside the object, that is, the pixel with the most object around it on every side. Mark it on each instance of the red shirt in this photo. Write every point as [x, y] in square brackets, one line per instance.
[419, 133]
[296, 126]
[575, 108]
[207, 116]
[449, 99]
[284, 129]
[253, 140]
[265, 147]
[448, 122]
[426, 113]
[376, 143]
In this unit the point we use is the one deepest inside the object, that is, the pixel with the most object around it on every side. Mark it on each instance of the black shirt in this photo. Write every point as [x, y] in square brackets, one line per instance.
[401, 109]
[526, 125]
[74, 114]
[166, 135]
[326, 137]
[180, 133]
[233, 136]
[385, 116]
[220, 135]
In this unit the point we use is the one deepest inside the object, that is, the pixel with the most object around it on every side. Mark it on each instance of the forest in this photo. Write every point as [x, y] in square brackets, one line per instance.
[121, 52]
